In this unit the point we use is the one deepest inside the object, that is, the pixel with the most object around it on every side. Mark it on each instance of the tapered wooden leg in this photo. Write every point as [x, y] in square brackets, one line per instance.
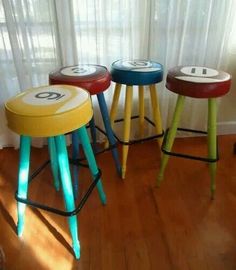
[212, 141]
[141, 110]
[171, 136]
[84, 139]
[93, 134]
[67, 191]
[54, 162]
[75, 155]
[127, 123]
[156, 112]
[114, 107]
[110, 135]
[23, 177]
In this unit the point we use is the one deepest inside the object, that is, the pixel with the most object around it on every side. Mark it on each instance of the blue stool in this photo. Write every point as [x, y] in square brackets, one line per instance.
[52, 111]
[129, 73]
[95, 79]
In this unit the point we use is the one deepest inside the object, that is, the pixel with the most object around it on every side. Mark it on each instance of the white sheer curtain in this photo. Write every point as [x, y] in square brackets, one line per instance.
[39, 35]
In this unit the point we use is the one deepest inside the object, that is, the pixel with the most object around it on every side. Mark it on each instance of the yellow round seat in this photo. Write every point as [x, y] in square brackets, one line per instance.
[49, 110]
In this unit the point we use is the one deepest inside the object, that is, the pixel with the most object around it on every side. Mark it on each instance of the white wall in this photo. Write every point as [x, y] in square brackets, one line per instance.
[227, 104]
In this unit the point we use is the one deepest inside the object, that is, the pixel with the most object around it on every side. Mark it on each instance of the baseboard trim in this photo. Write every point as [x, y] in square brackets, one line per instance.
[224, 128]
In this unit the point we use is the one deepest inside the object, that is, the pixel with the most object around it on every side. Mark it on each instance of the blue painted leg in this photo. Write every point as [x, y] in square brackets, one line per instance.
[93, 134]
[84, 139]
[23, 177]
[54, 162]
[111, 138]
[67, 191]
[75, 155]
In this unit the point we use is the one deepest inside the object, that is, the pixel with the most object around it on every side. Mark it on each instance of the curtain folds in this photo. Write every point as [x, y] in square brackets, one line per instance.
[37, 36]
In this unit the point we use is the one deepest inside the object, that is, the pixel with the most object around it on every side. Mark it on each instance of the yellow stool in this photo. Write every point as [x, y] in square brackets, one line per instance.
[52, 111]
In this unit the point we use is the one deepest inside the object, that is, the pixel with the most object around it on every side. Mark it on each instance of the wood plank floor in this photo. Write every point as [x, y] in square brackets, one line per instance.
[175, 227]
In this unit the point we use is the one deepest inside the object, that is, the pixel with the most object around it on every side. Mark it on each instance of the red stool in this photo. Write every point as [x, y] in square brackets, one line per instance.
[196, 82]
[95, 79]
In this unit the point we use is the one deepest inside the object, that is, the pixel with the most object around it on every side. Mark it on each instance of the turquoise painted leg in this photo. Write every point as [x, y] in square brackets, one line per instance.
[110, 136]
[54, 162]
[84, 139]
[75, 155]
[93, 134]
[23, 177]
[212, 141]
[67, 191]
[171, 136]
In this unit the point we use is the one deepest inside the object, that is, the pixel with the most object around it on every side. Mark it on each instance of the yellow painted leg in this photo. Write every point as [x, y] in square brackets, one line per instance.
[127, 122]
[114, 106]
[212, 143]
[171, 136]
[141, 110]
[156, 112]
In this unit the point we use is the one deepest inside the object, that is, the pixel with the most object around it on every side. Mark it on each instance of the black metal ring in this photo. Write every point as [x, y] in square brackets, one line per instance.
[58, 211]
[204, 159]
[138, 140]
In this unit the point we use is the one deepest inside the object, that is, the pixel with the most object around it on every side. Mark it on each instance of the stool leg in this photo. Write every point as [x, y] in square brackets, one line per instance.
[67, 191]
[212, 141]
[84, 139]
[114, 106]
[156, 112]
[127, 123]
[93, 134]
[23, 177]
[75, 155]
[171, 136]
[110, 136]
[141, 110]
[54, 162]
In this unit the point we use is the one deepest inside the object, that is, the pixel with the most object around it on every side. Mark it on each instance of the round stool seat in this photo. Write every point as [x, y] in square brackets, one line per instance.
[136, 72]
[198, 82]
[93, 78]
[49, 110]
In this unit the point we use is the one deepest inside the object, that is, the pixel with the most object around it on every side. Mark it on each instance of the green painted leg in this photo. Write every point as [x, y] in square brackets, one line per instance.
[84, 139]
[212, 143]
[54, 162]
[171, 136]
[67, 191]
[23, 176]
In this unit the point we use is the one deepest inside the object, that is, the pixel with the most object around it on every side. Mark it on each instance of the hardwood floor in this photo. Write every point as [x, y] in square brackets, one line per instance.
[175, 227]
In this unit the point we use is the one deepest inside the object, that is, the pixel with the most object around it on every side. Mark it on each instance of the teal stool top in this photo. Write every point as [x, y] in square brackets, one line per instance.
[136, 72]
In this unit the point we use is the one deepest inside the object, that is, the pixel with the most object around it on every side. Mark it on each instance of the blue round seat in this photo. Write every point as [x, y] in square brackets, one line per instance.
[136, 72]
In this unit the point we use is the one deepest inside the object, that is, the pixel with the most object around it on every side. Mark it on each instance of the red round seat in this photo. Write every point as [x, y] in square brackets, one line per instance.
[93, 78]
[198, 82]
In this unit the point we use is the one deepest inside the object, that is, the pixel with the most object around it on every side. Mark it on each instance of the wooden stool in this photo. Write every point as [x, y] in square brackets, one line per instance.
[196, 82]
[52, 111]
[129, 73]
[95, 79]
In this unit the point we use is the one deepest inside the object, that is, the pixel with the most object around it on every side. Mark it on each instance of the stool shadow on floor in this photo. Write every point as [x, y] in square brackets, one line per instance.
[8, 218]
[53, 230]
